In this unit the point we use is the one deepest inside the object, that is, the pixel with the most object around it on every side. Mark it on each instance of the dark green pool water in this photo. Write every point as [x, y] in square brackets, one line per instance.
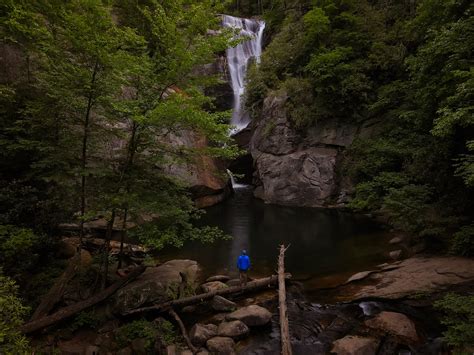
[323, 242]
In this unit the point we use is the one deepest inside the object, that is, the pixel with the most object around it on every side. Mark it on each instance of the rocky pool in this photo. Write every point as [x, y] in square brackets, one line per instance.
[325, 245]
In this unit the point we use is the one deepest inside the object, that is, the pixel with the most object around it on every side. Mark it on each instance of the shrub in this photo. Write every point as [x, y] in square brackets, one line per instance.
[137, 329]
[463, 241]
[459, 320]
[85, 320]
[11, 317]
[18, 248]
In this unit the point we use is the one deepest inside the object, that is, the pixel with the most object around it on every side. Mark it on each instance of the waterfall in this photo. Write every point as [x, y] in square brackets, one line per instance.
[235, 184]
[238, 59]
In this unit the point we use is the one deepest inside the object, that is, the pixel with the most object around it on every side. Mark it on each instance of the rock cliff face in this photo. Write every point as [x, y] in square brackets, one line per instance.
[205, 176]
[299, 168]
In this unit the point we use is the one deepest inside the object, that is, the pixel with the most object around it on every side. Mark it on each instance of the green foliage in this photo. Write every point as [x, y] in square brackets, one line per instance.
[463, 241]
[85, 319]
[459, 320]
[18, 249]
[465, 165]
[98, 124]
[147, 331]
[167, 332]
[12, 313]
[405, 75]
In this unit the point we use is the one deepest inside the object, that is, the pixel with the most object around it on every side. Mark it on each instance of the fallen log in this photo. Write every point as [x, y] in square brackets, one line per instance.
[284, 328]
[57, 290]
[266, 282]
[183, 330]
[80, 306]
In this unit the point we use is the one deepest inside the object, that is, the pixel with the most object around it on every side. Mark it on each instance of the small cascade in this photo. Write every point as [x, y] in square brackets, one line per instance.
[238, 59]
[235, 185]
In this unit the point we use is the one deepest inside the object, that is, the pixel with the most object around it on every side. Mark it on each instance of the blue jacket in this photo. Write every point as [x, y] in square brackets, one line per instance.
[243, 262]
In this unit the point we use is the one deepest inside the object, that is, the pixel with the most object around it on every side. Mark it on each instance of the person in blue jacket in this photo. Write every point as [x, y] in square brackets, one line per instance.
[243, 264]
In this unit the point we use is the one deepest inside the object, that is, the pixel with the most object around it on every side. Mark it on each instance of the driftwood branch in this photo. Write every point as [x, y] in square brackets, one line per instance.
[183, 330]
[186, 301]
[284, 328]
[57, 290]
[67, 312]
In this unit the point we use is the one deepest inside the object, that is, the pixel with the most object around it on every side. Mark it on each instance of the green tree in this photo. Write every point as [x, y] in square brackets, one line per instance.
[12, 313]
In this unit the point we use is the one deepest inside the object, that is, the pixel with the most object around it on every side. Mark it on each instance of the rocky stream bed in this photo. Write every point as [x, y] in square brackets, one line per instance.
[387, 310]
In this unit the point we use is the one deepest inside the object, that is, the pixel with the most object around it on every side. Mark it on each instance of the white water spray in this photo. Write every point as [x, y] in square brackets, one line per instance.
[238, 59]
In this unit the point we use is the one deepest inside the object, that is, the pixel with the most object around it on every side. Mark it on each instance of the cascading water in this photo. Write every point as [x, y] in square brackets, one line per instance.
[238, 59]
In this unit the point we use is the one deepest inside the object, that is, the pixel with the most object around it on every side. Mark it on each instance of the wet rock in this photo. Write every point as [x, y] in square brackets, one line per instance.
[233, 282]
[355, 345]
[396, 240]
[416, 275]
[200, 333]
[396, 324]
[222, 278]
[359, 276]
[221, 346]
[188, 309]
[252, 315]
[221, 304]
[233, 329]
[217, 318]
[155, 285]
[213, 286]
[396, 254]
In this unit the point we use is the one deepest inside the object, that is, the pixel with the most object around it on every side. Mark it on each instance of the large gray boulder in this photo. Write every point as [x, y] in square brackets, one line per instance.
[155, 285]
[355, 345]
[252, 315]
[201, 333]
[221, 304]
[213, 286]
[222, 278]
[233, 329]
[221, 346]
[295, 167]
[396, 324]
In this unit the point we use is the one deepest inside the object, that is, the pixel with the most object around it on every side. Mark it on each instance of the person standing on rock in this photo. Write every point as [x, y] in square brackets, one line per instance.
[243, 264]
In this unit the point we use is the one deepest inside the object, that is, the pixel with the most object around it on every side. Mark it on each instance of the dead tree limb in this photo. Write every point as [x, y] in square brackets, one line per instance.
[57, 290]
[183, 330]
[266, 282]
[67, 312]
[284, 328]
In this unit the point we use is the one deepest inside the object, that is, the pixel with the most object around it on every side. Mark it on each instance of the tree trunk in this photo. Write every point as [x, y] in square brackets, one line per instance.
[57, 291]
[108, 236]
[251, 286]
[183, 330]
[67, 312]
[284, 328]
[85, 139]
[132, 148]
[122, 238]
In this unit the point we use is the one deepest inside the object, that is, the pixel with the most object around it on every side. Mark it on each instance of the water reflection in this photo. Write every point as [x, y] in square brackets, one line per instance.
[323, 242]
